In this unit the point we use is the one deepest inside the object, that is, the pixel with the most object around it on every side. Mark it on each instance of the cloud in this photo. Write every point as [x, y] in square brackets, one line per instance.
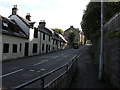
[4, 11]
[56, 13]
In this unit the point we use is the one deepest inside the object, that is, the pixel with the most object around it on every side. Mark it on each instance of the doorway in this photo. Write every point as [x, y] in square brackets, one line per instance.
[26, 49]
[46, 48]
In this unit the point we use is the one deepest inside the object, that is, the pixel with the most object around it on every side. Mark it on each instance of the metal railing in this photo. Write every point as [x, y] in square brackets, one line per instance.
[57, 82]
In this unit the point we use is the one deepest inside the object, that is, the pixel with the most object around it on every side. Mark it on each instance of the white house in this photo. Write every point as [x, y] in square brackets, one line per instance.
[12, 39]
[19, 37]
[50, 40]
[58, 41]
[45, 38]
[31, 45]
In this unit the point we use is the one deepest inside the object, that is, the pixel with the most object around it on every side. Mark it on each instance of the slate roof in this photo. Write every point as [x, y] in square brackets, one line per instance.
[58, 37]
[12, 29]
[27, 22]
[55, 36]
[62, 38]
[72, 28]
[45, 30]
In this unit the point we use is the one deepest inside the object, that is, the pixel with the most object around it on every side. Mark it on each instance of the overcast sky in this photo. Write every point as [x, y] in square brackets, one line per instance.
[57, 13]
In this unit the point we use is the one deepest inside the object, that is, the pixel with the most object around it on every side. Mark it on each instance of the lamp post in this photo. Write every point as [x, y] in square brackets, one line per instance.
[101, 46]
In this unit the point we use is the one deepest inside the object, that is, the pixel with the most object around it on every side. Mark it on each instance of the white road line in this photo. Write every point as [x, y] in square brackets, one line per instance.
[11, 73]
[40, 62]
[56, 57]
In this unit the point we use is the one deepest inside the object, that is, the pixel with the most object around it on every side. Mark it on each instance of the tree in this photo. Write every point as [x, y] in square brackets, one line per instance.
[71, 37]
[60, 31]
[91, 20]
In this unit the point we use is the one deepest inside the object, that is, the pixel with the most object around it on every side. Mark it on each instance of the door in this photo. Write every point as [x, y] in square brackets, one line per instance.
[26, 49]
[46, 48]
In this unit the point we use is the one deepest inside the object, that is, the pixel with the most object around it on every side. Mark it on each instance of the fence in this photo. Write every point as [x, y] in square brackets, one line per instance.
[63, 80]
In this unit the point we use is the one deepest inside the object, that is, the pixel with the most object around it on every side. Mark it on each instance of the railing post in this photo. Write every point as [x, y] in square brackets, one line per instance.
[66, 76]
[42, 79]
[42, 83]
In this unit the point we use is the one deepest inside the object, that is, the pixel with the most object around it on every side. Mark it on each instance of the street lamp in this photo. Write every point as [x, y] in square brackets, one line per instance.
[101, 46]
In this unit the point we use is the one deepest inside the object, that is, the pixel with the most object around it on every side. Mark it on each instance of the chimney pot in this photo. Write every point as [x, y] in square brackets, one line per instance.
[42, 23]
[28, 17]
[14, 10]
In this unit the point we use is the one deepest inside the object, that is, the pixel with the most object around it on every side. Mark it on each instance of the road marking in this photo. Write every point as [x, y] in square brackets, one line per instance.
[11, 73]
[56, 57]
[40, 62]
[31, 70]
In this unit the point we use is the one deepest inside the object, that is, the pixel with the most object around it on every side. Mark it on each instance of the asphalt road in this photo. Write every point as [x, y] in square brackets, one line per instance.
[19, 71]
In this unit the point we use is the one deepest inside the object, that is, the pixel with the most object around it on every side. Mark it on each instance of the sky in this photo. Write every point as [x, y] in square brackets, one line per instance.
[57, 13]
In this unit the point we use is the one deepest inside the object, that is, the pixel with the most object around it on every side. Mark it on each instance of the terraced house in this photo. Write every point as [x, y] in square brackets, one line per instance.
[20, 37]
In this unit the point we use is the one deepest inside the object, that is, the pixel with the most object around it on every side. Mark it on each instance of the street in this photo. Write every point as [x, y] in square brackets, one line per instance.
[19, 71]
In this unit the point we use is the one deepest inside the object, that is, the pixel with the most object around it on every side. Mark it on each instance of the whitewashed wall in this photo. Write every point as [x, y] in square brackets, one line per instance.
[45, 42]
[33, 40]
[17, 40]
[13, 40]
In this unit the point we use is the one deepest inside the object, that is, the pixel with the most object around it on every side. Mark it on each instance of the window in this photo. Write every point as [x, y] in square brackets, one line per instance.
[34, 48]
[49, 47]
[53, 48]
[56, 42]
[49, 38]
[14, 48]
[42, 47]
[20, 47]
[60, 44]
[5, 25]
[43, 36]
[6, 48]
[35, 33]
[53, 41]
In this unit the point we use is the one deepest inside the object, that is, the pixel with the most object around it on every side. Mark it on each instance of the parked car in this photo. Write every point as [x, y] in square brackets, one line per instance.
[76, 47]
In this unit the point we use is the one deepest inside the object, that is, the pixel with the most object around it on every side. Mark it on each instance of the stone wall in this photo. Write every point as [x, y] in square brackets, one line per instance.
[111, 52]
[112, 60]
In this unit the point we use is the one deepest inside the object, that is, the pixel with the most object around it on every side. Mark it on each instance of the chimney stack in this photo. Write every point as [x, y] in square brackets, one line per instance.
[14, 10]
[71, 26]
[28, 17]
[42, 23]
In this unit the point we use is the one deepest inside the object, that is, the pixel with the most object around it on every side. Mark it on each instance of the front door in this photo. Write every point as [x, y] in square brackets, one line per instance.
[46, 48]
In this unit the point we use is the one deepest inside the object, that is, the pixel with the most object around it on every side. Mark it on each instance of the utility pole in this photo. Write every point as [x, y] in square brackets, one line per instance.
[101, 46]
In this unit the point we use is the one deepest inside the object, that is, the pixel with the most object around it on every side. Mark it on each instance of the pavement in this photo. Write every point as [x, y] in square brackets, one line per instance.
[86, 75]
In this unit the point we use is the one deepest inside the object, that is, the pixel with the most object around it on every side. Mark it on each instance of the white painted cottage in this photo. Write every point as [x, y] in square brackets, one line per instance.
[32, 44]
[45, 38]
[12, 38]
[19, 37]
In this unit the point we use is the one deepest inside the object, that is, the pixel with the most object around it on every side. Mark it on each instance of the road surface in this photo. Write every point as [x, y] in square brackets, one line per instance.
[19, 71]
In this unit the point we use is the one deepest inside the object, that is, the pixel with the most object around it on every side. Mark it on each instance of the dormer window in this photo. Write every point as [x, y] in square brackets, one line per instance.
[5, 25]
